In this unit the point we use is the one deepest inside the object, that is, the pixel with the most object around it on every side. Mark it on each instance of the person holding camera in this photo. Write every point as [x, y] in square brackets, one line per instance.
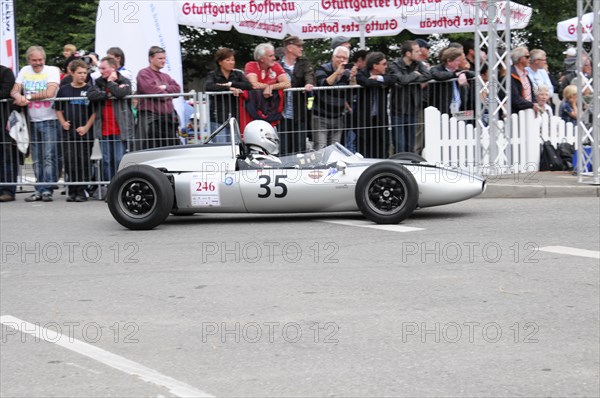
[331, 105]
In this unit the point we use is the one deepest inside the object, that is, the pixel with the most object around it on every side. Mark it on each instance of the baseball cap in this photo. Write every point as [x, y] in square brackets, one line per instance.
[338, 41]
[570, 52]
[422, 43]
[293, 40]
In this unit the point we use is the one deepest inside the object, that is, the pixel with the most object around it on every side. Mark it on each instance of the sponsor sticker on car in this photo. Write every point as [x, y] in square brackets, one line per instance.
[204, 191]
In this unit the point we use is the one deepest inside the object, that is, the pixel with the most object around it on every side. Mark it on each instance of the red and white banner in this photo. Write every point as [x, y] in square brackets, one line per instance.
[8, 42]
[327, 18]
[567, 30]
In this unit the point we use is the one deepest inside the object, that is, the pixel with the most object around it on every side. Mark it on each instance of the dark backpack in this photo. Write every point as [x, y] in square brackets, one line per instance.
[261, 108]
[566, 152]
[549, 159]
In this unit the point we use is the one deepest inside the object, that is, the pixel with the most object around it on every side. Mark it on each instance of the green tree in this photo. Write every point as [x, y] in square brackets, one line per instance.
[52, 24]
[541, 31]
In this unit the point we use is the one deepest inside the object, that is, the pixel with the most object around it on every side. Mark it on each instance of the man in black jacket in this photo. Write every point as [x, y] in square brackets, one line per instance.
[522, 93]
[450, 96]
[407, 95]
[113, 124]
[372, 133]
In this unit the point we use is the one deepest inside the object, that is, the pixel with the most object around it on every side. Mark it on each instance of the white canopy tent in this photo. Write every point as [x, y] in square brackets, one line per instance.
[567, 30]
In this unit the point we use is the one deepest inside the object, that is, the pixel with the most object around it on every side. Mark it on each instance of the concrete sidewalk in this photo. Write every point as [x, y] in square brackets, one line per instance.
[540, 184]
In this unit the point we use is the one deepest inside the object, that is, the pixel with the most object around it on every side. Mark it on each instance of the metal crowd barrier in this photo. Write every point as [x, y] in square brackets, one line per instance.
[365, 120]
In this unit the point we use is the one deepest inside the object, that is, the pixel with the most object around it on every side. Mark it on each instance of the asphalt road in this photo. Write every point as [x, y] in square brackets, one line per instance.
[471, 299]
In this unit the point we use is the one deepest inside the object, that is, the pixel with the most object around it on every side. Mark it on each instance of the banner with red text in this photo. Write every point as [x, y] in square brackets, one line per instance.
[567, 30]
[8, 42]
[326, 18]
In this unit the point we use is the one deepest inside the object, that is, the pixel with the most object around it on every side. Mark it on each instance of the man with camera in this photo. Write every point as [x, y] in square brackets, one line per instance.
[331, 105]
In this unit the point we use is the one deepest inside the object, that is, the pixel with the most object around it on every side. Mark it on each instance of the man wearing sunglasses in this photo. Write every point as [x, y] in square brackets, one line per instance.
[523, 96]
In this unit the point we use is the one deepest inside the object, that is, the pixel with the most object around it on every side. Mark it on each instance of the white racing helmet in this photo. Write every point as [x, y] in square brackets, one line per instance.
[261, 135]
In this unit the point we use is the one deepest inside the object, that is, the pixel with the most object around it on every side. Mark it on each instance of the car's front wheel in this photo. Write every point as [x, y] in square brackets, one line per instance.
[387, 193]
[140, 197]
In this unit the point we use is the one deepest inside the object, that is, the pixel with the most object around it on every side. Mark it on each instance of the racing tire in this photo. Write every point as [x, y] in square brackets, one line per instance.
[386, 193]
[140, 197]
[413, 157]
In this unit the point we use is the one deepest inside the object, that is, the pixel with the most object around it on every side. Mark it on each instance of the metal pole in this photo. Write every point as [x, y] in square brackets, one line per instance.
[588, 122]
[479, 87]
[508, 83]
[596, 95]
[362, 22]
[493, 83]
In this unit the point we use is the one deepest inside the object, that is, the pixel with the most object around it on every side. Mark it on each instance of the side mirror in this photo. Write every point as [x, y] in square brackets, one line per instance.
[341, 166]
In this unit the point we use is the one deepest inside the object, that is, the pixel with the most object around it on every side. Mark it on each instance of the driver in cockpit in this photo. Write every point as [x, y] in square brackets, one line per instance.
[262, 142]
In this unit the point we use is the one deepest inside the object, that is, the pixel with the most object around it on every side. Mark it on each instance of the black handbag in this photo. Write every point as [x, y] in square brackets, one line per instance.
[566, 152]
[549, 158]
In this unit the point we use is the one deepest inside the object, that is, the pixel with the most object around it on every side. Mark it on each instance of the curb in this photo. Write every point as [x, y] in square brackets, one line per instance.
[500, 191]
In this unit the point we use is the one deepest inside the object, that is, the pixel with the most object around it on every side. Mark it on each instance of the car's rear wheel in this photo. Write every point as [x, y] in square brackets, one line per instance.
[140, 197]
[410, 156]
[387, 193]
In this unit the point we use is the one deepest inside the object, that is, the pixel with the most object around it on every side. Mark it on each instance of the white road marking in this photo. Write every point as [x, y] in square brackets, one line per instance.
[176, 388]
[571, 251]
[370, 224]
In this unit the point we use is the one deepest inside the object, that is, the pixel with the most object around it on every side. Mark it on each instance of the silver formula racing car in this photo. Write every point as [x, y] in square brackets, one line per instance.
[243, 176]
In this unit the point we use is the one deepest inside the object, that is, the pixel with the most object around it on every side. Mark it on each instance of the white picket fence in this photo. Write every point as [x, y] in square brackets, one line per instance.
[453, 142]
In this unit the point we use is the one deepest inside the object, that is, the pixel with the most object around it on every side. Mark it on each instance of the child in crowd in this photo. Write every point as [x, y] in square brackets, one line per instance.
[70, 53]
[568, 107]
[76, 118]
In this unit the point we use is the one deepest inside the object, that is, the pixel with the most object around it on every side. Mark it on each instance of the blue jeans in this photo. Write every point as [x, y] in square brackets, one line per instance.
[44, 152]
[224, 135]
[113, 150]
[350, 141]
[404, 129]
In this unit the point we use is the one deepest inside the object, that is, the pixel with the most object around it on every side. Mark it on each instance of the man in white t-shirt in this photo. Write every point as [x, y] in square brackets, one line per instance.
[35, 87]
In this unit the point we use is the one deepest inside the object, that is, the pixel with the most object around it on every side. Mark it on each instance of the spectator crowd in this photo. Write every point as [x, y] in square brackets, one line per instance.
[372, 104]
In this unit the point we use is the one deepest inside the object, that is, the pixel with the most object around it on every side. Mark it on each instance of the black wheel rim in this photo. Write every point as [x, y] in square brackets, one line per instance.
[137, 197]
[386, 194]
